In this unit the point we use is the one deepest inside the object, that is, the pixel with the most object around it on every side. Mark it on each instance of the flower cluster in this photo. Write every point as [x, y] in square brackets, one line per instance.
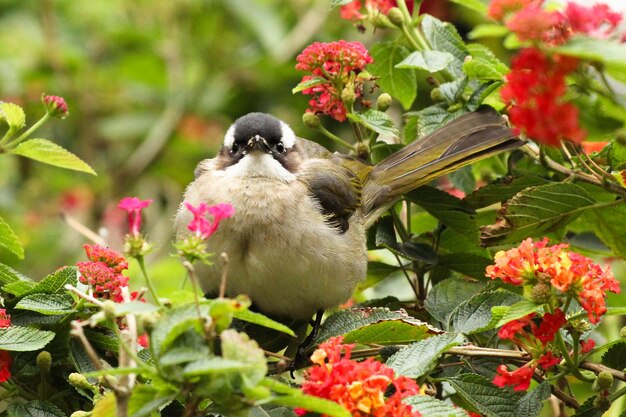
[135, 244]
[201, 225]
[360, 387]
[555, 272]
[55, 106]
[535, 339]
[536, 86]
[103, 272]
[352, 11]
[334, 79]
[5, 357]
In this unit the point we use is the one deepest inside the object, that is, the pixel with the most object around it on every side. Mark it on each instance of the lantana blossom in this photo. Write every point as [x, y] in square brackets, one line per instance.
[133, 206]
[103, 272]
[200, 224]
[352, 10]
[360, 387]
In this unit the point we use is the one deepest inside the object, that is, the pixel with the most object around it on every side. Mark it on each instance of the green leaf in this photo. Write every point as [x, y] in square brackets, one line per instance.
[611, 54]
[106, 406]
[43, 150]
[444, 37]
[399, 83]
[312, 404]
[377, 121]
[609, 225]
[311, 82]
[34, 409]
[481, 69]
[615, 357]
[216, 365]
[146, 399]
[353, 323]
[474, 315]
[24, 339]
[9, 240]
[485, 30]
[56, 282]
[502, 189]
[449, 210]
[19, 288]
[13, 115]
[184, 354]
[536, 211]
[517, 311]
[174, 323]
[47, 304]
[134, 307]
[587, 409]
[445, 297]
[239, 347]
[336, 3]
[261, 320]
[475, 5]
[484, 396]
[469, 264]
[431, 61]
[420, 357]
[433, 117]
[9, 275]
[530, 405]
[432, 407]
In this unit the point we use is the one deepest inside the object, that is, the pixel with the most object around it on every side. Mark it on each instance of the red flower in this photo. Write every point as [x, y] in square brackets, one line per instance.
[133, 206]
[5, 319]
[359, 387]
[534, 89]
[512, 329]
[336, 66]
[535, 24]
[5, 365]
[55, 106]
[498, 9]
[548, 360]
[550, 324]
[352, 11]
[143, 340]
[587, 345]
[200, 225]
[104, 281]
[111, 258]
[598, 20]
[519, 379]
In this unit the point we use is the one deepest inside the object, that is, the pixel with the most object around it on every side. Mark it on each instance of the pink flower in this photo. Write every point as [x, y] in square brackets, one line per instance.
[55, 106]
[133, 205]
[597, 21]
[5, 319]
[202, 226]
[111, 258]
[5, 365]
[103, 280]
[352, 11]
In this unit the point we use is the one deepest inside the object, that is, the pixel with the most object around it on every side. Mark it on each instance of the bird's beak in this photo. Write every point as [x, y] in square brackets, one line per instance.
[257, 143]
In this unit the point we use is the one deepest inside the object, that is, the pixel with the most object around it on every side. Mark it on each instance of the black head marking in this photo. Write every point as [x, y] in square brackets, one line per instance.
[252, 124]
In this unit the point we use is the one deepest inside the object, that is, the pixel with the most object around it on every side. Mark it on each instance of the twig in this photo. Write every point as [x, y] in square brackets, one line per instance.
[596, 367]
[73, 223]
[81, 294]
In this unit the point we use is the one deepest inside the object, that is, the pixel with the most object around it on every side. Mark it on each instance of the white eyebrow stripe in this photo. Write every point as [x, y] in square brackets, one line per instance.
[289, 138]
[229, 137]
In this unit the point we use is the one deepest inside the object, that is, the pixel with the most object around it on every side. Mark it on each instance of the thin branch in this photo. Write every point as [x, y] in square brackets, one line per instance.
[74, 224]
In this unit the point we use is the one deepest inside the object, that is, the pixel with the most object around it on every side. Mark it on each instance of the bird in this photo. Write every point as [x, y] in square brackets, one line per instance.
[297, 242]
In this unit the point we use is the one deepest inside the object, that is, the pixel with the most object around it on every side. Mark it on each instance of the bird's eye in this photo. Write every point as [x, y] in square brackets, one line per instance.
[280, 147]
[234, 149]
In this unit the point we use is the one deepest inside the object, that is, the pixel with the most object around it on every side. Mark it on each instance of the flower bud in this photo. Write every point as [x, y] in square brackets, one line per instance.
[436, 95]
[348, 95]
[148, 321]
[604, 380]
[541, 293]
[44, 361]
[622, 332]
[79, 381]
[383, 102]
[395, 16]
[80, 413]
[55, 106]
[311, 120]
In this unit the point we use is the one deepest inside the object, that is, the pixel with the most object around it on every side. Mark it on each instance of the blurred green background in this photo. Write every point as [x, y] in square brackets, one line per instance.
[151, 87]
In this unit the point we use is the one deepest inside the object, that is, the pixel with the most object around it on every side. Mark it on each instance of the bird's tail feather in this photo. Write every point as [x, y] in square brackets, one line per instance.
[469, 138]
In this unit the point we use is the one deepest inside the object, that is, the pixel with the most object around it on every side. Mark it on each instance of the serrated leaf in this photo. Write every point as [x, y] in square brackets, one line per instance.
[377, 121]
[13, 115]
[9, 275]
[56, 282]
[401, 84]
[609, 225]
[34, 409]
[530, 405]
[431, 61]
[102, 341]
[9, 240]
[19, 288]
[468, 264]
[432, 407]
[474, 314]
[444, 37]
[24, 339]
[484, 396]
[433, 117]
[355, 319]
[146, 399]
[174, 323]
[481, 69]
[445, 297]
[502, 189]
[183, 354]
[587, 409]
[418, 358]
[216, 365]
[47, 304]
[536, 211]
[239, 347]
[615, 357]
[261, 320]
[311, 82]
[517, 311]
[80, 359]
[43, 150]
[449, 210]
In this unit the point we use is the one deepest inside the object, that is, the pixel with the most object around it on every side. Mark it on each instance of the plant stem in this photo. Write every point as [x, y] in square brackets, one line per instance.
[30, 131]
[334, 137]
[153, 292]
